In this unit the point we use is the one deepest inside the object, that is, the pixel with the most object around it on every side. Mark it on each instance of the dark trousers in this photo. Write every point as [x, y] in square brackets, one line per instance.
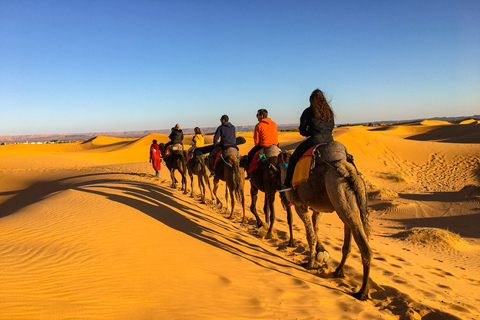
[298, 153]
[252, 152]
[212, 156]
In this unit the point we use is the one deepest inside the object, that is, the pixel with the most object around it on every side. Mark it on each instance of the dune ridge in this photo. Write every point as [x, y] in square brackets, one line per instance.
[88, 232]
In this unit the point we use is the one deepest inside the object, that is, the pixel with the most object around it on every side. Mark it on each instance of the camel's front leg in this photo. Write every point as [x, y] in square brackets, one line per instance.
[311, 236]
[322, 254]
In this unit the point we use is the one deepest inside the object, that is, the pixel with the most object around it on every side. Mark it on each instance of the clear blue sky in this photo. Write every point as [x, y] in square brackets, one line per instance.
[94, 66]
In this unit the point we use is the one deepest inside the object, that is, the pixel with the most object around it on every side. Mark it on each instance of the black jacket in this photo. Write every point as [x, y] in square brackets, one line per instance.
[310, 126]
[176, 136]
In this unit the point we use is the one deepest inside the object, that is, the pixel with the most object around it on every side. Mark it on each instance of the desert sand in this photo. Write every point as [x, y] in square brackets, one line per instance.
[88, 232]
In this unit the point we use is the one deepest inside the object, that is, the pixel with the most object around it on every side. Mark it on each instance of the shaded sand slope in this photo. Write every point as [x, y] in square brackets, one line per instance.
[88, 232]
[115, 246]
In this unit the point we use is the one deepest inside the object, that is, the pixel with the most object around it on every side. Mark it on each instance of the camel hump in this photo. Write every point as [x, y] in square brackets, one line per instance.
[230, 151]
[332, 151]
[271, 151]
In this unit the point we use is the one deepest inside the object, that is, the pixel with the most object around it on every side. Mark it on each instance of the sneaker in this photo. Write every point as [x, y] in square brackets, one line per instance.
[212, 174]
[284, 188]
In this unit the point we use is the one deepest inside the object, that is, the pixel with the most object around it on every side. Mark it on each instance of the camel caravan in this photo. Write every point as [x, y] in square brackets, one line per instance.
[318, 177]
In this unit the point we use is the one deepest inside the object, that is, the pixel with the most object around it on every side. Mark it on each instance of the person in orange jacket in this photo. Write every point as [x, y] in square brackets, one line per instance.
[265, 135]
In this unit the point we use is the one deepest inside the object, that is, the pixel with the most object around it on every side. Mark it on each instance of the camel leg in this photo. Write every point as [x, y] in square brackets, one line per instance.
[172, 176]
[306, 217]
[191, 183]
[232, 199]
[269, 206]
[290, 226]
[244, 219]
[288, 207]
[345, 252]
[201, 186]
[322, 254]
[347, 209]
[253, 206]
[184, 181]
[266, 208]
[215, 187]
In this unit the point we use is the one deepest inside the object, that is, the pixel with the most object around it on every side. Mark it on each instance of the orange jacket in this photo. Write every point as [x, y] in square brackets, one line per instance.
[265, 133]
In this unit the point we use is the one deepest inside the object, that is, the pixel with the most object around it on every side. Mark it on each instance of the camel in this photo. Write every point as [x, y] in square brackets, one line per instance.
[175, 160]
[197, 166]
[266, 178]
[228, 170]
[334, 186]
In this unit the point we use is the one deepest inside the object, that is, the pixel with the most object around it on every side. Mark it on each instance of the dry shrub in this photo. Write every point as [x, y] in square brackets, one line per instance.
[433, 237]
[383, 194]
[396, 176]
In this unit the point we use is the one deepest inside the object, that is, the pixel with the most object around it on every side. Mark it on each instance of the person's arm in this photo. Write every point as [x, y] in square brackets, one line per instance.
[217, 135]
[303, 123]
[256, 136]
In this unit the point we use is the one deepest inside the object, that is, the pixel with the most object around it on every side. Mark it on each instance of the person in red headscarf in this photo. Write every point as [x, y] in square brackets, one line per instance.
[155, 157]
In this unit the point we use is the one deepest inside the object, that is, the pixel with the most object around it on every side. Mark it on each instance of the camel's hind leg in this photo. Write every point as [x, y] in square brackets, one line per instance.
[345, 204]
[215, 188]
[269, 211]
[253, 205]
[230, 191]
[191, 183]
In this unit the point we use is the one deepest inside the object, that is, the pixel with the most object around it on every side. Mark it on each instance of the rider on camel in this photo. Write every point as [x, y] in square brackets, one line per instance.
[224, 137]
[265, 135]
[316, 124]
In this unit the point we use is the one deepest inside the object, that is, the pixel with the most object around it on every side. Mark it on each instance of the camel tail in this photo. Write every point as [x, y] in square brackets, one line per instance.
[360, 189]
[233, 161]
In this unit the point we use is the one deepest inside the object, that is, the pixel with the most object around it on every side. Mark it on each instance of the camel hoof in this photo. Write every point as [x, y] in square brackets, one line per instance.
[322, 257]
[310, 266]
[339, 274]
[360, 296]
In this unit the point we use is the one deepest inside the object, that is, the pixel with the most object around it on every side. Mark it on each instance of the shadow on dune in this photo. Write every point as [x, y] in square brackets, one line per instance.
[465, 225]
[462, 133]
[158, 202]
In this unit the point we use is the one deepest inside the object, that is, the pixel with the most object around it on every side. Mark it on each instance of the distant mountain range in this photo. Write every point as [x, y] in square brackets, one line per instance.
[205, 130]
[123, 134]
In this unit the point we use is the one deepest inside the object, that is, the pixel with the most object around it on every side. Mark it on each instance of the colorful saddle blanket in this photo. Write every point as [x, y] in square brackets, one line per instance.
[266, 152]
[174, 147]
[329, 152]
[231, 151]
[190, 154]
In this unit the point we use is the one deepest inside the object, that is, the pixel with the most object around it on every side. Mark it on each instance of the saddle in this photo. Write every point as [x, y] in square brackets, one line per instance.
[174, 147]
[230, 151]
[328, 152]
[264, 153]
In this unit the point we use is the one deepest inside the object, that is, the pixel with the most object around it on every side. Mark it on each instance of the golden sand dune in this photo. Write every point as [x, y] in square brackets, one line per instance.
[88, 232]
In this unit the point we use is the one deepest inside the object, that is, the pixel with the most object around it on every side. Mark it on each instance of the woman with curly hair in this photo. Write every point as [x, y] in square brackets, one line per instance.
[316, 124]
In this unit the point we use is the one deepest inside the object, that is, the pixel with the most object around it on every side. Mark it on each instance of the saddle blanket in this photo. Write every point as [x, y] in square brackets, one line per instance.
[173, 147]
[190, 154]
[332, 151]
[271, 151]
[225, 153]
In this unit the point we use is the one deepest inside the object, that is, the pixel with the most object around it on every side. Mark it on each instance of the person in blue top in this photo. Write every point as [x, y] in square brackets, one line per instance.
[316, 124]
[225, 136]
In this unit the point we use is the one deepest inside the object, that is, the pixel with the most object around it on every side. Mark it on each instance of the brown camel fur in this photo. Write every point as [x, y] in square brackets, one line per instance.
[175, 161]
[228, 170]
[335, 186]
[197, 166]
[266, 178]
